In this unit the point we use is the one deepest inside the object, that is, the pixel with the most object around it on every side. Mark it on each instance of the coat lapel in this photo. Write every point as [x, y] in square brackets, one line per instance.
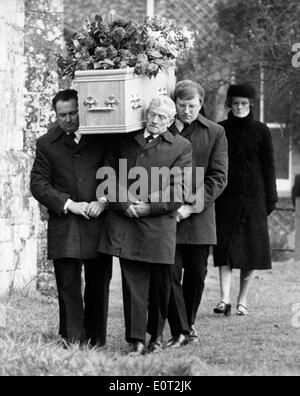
[139, 137]
[68, 141]
[155, 142]
[85, 139]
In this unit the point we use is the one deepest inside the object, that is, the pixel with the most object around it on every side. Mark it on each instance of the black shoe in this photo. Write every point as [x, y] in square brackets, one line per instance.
[137, 348]
[223, 308]
[156, 345]
[193, 336]
[178, 342]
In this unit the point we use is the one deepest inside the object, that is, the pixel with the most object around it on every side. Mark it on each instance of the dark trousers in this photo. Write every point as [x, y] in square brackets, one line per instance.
[83, 320]
[143, 283]
[187, 288]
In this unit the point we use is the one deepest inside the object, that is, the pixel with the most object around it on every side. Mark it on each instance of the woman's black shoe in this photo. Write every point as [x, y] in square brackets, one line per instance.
[223, 308]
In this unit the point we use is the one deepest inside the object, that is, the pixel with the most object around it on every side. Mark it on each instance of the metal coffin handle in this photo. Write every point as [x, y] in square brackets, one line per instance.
[111, 102]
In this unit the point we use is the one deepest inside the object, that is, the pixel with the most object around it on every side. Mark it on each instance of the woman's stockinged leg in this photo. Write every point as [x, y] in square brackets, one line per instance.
[245, 282]
[225, 283]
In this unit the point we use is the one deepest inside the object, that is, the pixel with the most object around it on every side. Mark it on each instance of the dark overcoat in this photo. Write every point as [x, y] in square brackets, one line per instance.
[242, 210]
[209, 152]
[63, 169]
[149, 239]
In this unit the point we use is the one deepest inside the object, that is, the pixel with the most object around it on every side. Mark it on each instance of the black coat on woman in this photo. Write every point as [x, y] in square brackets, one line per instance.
[242, 210]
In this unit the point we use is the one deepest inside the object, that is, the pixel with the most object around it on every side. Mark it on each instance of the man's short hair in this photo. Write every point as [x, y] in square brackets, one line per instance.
[65, 96]
[164, 100]
[188, 90]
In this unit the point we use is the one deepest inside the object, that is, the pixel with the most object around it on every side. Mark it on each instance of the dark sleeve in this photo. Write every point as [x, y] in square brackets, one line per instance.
[268, 167]
[183, 161]
[40, 183]
[216, 174]
[296, 189]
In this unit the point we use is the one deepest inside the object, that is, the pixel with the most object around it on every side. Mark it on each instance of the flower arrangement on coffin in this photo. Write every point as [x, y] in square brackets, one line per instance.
[147, 46]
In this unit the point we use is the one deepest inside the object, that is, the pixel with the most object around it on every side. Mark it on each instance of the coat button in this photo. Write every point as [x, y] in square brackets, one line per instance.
[81, 180]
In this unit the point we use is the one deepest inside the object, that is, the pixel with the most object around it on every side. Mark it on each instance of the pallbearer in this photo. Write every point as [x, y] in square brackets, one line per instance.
[63, 179]
[142, 230]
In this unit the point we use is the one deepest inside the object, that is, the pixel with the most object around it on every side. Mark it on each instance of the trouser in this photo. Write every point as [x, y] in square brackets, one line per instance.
[187, 288]
[83, 320]
[146, 288]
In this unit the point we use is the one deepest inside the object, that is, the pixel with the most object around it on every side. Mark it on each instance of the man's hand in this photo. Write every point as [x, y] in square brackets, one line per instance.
[131, 212]
[95, 209]
[142, 208]
[79, 208]
[184, 212]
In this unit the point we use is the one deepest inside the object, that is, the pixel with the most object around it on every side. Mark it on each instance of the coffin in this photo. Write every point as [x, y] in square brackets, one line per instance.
[114, 101]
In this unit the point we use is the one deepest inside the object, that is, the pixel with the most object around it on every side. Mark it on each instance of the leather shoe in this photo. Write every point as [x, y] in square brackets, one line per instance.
[156, 345]
[178, 342]
[241, 310]
[223, 308]
[137, 348]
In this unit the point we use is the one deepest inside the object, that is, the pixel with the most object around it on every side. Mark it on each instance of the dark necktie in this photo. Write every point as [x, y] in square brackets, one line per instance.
[72, 136]
[149, 138]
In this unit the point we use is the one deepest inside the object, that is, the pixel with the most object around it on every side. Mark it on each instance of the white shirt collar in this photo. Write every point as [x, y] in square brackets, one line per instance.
[78, 136]
[147, 133]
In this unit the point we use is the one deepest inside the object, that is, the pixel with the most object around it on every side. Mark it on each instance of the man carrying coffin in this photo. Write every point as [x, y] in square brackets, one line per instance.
[142, 230]
[63, 179]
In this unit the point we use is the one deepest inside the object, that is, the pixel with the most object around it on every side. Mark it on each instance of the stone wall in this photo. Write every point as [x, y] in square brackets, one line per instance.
[31, 33]
[282, 230]
[18, 238]
[44, 21]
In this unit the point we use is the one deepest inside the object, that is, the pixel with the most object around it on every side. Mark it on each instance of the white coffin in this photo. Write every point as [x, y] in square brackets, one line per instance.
[114, 101]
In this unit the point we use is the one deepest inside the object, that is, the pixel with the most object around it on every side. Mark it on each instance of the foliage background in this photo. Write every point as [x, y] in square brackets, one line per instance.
[243, 35]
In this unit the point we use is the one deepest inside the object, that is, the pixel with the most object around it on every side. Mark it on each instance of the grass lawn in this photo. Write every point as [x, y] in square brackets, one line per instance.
[267, 342]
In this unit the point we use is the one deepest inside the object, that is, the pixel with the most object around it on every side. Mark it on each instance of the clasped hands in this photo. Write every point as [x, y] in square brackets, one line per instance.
[184, 212]
[87, 210]
[142, 209]
[138, 209]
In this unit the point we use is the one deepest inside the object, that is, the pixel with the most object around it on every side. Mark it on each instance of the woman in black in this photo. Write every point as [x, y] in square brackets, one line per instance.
[250, 196]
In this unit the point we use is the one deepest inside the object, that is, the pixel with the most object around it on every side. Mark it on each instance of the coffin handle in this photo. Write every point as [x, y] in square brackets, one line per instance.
[99, 109]
[110, 103]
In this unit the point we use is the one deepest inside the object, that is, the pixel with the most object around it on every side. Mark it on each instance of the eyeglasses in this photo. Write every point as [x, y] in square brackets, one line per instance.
[243, 103]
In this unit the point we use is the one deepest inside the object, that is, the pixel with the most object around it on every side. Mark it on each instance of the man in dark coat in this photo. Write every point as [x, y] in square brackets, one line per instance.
[63, 179]
[196, 230]
[142, 230]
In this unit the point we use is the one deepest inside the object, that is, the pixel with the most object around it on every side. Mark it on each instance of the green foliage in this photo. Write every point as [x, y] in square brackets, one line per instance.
[253, 35]
[236, 17]
[146, 46]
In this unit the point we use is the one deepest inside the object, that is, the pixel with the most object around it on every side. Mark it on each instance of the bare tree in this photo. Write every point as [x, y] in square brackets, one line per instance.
[253, 37]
